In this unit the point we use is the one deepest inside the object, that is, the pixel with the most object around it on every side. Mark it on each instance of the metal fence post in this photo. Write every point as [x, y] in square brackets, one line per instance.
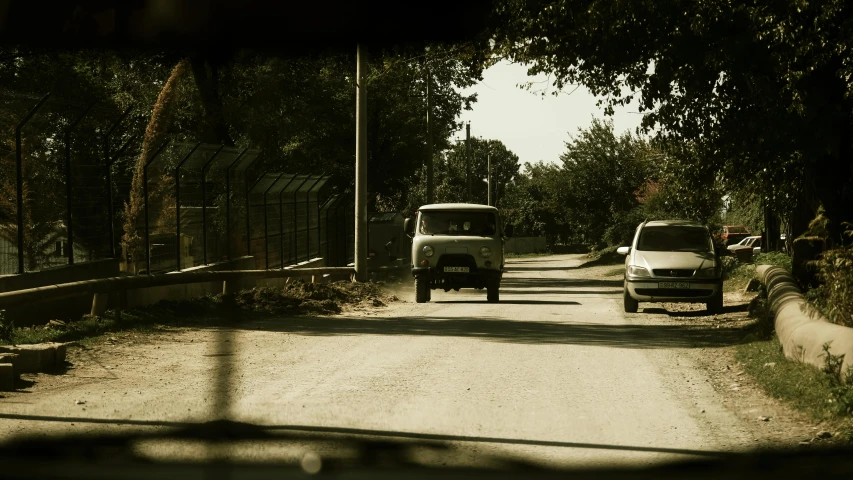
[308, 218]
[108, 163]
[295, 248]
[145, 194]
[320, 223]
[178, 204]
[19, 177]
[108, 178]
[228, 202]
[281, 223]
[248, 225]
[69, 225]
[266, 224]
[204, 203]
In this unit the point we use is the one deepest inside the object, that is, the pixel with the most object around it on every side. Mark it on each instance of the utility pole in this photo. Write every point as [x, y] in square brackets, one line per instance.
[468, 159]
[360, 167]
[430, 178]
[489, 177]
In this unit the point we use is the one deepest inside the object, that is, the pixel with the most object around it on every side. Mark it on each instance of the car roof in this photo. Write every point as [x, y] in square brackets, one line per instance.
[458, 206]
[670, 223]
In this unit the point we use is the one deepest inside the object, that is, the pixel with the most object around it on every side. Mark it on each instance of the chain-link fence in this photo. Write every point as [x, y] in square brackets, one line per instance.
[66, 178]
[57, 191]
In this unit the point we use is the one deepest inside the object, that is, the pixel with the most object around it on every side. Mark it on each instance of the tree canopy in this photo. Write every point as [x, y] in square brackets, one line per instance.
[761, 86]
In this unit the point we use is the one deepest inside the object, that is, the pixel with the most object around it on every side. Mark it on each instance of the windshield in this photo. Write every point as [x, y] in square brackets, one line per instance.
[457, 223]
[674, 239]
[274, 213]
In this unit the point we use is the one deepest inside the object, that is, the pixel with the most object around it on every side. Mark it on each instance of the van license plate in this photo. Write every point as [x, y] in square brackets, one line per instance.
[456, 270]
[673, 285]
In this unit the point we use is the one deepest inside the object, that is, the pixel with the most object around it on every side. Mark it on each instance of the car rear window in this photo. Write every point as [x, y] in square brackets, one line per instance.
[674, 239]
[737, 229]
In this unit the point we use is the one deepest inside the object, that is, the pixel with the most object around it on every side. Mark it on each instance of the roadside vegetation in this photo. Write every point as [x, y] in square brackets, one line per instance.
[297, 298]
[528, 255]
[821, 393]
[818, 393]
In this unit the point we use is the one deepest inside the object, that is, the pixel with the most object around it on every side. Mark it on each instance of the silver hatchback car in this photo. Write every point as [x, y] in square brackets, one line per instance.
[672, 261]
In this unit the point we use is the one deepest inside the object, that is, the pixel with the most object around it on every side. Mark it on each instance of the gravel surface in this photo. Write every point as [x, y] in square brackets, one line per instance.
[554, 374]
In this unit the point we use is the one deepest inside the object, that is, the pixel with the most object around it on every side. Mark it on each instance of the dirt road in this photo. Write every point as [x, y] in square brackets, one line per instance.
[556, 373]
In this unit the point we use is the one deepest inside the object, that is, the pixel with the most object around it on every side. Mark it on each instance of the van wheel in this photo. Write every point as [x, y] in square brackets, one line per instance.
[715, 306]
[493, 291]
[631, 305]
[421, 289]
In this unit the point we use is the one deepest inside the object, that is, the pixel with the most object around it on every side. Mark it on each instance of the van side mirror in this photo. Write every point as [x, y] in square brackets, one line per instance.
[508, 230]
[409, 227]
[623, 250]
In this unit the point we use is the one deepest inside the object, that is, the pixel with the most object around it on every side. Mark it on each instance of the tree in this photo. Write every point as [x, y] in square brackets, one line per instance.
[536, 202]
[686, 186]
[451, 174]
[604, 174]
[762, 86]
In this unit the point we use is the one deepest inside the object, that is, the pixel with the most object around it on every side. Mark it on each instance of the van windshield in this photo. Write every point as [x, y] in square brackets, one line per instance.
[457, 223]
[674, 239]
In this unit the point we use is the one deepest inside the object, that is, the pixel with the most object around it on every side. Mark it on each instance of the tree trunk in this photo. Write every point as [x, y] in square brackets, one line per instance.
[215, 130]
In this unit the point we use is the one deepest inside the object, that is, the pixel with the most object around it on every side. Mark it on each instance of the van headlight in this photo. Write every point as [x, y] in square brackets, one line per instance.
[635, 271]
[709, 272]
[485, 252]
[428, 251]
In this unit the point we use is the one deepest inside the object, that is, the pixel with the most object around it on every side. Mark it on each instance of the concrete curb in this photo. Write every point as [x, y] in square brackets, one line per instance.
[802, 331]
[36, 358]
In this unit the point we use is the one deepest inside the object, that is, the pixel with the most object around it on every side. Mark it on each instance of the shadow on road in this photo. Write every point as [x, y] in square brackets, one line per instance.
[511, 291]
[543, 282]
[512, 302]
[741, 307]
[517, 331]
[538, 268]
[360, 432]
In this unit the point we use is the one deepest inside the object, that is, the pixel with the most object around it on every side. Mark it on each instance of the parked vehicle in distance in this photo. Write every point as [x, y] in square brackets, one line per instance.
[753, 242]
[732, 234]
[457, 245]
[672, 261]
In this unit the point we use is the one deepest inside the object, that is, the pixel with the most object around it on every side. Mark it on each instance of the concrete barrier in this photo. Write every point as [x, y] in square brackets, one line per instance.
[142, 297]
[7, 377]
[802, 330]
[522, 245]
[11, 359]
[61, 307]
[281, 282]
[36, 358]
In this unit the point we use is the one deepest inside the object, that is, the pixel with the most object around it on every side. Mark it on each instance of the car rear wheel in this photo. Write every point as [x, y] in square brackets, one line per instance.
[631, 305]
[493, 291]
[421, 289]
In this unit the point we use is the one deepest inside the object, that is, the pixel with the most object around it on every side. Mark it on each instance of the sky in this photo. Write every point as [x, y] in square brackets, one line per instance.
[533, 127]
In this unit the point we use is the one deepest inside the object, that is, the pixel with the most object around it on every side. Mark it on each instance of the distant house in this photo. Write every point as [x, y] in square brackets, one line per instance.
[54, 255]
[649, 188]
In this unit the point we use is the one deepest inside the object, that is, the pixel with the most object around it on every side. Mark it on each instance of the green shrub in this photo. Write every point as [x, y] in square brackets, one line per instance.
[841, 383]
[779, 259]
[729, 264]
[834, 297]
[7, 328]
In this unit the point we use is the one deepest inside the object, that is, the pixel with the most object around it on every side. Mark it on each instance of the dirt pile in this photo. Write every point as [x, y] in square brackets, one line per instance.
[304, 297]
